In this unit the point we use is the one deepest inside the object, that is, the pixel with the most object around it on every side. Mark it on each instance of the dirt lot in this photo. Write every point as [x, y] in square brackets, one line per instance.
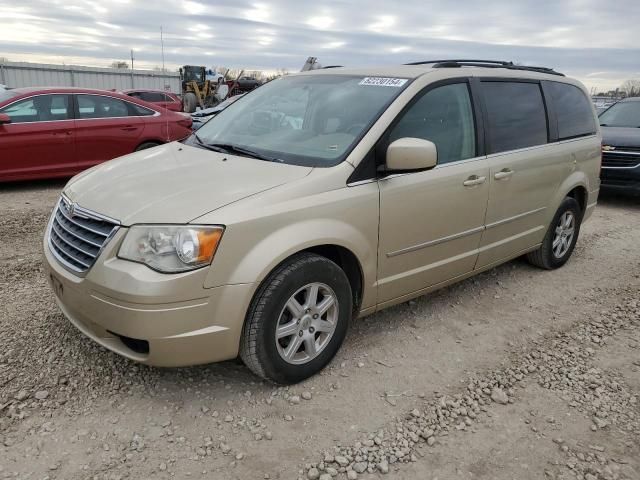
[517, 373]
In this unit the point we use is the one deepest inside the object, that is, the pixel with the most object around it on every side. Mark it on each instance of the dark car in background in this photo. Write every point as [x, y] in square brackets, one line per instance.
[58, 132]
[620, 126]
[167, 100]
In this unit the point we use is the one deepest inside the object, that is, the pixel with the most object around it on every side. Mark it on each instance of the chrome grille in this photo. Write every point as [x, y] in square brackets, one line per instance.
[625, 157]
[76, 236]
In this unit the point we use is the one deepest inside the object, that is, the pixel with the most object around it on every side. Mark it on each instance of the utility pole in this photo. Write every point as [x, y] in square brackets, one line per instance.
[162, 47]
[132, 84]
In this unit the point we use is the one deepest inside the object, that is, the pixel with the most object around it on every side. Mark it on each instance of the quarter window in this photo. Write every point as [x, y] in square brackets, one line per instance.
[573, 111]
[517, 115]
[41, 108]
[444, 116]
[96, 106]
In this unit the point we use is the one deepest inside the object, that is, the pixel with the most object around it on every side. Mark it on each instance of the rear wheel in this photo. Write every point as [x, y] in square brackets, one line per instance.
[561, 238]
[297, 320]
[189, 102]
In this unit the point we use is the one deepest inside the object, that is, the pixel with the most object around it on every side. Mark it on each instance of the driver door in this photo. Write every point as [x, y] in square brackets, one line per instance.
[431, 222]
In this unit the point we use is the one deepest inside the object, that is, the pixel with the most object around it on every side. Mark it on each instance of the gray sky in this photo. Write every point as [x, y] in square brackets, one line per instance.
[592, 40]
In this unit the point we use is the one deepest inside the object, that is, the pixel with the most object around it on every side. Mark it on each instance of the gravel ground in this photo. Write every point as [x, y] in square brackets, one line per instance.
[517, 373]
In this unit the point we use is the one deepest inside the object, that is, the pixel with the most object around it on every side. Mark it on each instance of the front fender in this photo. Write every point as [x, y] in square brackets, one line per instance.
[253, 247]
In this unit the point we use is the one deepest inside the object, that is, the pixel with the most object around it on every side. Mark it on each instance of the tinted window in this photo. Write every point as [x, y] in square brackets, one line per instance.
[138, 111]
[96, 106]
[41, 108]
[312, 120]
[152, 97]
[623, 114]
[573, 110]
[445, 117]
[517, 117]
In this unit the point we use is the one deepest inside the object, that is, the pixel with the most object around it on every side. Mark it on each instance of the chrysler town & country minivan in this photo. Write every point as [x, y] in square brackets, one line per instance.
[320, 197]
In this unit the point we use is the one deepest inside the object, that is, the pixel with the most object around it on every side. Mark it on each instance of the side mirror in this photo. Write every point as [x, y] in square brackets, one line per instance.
[4, 118]
[411, 154]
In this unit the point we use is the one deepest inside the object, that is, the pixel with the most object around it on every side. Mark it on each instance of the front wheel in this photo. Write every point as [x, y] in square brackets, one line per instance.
[561, 238]
[297, 319]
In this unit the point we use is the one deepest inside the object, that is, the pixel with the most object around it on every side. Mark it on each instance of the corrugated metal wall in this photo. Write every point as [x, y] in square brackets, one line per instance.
[21, 74]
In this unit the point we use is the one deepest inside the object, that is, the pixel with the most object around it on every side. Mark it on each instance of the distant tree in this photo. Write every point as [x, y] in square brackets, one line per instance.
[119, 64]
[631, 88]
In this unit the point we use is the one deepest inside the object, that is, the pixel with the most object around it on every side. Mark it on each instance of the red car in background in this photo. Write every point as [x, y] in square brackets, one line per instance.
[167, 100]
[58, 132]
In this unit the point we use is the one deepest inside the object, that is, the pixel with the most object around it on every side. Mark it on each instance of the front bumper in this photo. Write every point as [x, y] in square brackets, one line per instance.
[623, 180]
[153, 318]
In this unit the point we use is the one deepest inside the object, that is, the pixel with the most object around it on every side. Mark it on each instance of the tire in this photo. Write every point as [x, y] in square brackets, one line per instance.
[189, 102]
[295, 279]
[145, 145]
[549, 256]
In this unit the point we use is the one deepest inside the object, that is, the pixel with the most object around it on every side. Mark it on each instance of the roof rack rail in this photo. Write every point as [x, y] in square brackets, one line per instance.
[456, 63]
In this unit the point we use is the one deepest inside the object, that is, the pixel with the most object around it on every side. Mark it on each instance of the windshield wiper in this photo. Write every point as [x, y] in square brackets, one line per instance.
[247, 152]
[200, 143]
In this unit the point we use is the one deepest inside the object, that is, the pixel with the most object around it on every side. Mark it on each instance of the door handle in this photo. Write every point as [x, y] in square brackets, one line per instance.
[503, 174]
[473, 180]
[129, 128]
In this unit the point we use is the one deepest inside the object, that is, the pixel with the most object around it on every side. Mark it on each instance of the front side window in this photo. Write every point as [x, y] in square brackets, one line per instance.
[313, 119]
[97, 106]
[517, 115]
[41, 108]
[623, 114]
[445, 117]
[573, 110]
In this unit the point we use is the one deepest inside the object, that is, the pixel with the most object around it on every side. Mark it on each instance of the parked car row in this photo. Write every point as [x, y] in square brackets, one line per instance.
[58, 132]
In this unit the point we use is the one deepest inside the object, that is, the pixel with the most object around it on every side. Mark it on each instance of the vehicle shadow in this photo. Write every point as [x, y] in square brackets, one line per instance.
[35, 185]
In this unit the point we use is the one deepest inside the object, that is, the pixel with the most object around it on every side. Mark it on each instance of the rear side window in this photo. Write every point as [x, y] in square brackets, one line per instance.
[41, 108]
[443, 116]
[573, 111]
[517, 116]
[152, 97]
[96, 106]
[138, 111]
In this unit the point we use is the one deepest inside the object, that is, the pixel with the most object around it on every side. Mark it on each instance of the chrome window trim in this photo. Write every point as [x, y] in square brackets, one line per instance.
[155, 112]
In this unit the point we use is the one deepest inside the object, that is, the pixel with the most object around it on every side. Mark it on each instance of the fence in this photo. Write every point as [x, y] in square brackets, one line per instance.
[22, 74]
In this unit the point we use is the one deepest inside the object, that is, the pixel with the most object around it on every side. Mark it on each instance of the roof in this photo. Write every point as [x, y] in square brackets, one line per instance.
[419, 69]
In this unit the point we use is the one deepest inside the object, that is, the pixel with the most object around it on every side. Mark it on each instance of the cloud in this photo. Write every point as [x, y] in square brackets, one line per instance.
[583, 38]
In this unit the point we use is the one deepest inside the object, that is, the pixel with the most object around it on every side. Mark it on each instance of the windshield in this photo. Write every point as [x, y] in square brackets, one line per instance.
[623, 114]
[311, 120]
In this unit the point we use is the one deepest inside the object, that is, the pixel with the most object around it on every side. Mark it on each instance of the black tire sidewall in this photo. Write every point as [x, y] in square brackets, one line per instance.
[568, 204]
[320, 270]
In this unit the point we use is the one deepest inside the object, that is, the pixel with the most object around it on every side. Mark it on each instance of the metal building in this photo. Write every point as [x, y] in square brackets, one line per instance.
[22, 74]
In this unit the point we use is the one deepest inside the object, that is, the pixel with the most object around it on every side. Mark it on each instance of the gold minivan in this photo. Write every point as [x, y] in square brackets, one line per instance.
[317, 198]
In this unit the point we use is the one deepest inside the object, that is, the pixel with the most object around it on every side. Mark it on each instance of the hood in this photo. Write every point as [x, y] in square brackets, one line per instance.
[174, 183]
[621, 136]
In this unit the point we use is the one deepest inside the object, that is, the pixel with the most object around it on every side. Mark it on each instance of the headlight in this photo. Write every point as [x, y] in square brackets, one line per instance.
[171, 248]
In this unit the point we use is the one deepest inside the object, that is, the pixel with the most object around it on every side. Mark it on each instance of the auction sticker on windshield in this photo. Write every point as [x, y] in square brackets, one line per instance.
[383, 81]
